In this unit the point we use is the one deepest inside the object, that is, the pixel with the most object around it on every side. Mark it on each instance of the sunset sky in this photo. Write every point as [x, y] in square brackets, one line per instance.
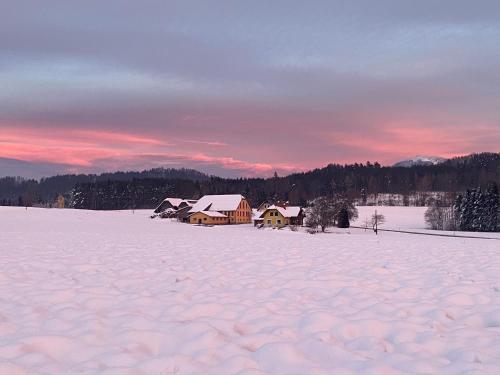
[244, 88]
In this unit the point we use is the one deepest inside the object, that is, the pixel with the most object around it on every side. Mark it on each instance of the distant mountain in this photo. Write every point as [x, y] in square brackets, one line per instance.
[420, 160]
[27, 169]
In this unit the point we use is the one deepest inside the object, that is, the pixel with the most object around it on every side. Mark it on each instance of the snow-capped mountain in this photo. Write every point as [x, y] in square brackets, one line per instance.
[420, 160]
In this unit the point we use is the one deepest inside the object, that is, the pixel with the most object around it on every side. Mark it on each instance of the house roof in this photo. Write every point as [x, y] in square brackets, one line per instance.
[212, 213]
[291, 211]
[174, 201]
[263, 206]
[228, 202]
[256, 214]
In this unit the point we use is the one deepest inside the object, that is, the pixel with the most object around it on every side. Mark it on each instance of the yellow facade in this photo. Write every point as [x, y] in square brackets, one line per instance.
[242, 215]
[201, 218]
[60, 203]
[273, 218]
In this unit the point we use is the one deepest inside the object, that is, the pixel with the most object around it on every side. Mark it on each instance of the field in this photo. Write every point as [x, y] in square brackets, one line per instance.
[86, 292]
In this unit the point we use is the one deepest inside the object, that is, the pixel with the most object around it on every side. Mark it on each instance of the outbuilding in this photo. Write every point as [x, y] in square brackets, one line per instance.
[208, 218]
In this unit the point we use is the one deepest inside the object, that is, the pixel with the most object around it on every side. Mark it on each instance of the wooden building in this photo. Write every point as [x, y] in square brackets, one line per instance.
[208, 218]
[234, 206]
[278, 217]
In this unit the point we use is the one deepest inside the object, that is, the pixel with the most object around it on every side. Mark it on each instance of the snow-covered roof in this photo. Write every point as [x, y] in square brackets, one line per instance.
[174, 201]
[256, 214]
[291, 211]
[228, 202]
[212, 213]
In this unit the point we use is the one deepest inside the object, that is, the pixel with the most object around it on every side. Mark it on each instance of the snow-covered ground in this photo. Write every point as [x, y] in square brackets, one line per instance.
[118, 293]
[405, 218]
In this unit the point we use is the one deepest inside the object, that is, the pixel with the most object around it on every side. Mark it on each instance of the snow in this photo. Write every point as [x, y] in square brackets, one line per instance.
[227, 202]
[118, 293]
[396, 217]
[407, 218]
[420, 160]
[174, 201]
[291, 211]
[213, 213]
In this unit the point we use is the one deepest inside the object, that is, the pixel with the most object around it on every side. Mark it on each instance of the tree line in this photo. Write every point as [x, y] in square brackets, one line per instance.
[476, 210]
[124, 190]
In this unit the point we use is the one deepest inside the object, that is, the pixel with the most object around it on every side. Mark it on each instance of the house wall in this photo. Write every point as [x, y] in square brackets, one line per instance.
[243, 213]
[208, 220]
[299, 220]
[273, 218]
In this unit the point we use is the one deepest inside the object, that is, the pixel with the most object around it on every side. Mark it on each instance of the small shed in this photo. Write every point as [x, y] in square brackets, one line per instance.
[208, 218]
[60, 202]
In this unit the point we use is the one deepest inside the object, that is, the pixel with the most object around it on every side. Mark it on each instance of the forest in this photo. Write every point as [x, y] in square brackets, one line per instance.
[125, 190]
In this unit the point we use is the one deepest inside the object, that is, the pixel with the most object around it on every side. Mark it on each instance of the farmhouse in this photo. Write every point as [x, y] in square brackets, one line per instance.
[234, 206]
[278, 217]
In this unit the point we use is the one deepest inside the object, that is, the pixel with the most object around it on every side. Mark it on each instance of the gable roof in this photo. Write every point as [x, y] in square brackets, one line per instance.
[291, 211]
[263, 206]
[212, 213]
[228, 202]
[174, 201]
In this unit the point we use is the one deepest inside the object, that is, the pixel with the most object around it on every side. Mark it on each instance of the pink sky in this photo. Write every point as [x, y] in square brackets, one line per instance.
[86, 149]
[239, 89]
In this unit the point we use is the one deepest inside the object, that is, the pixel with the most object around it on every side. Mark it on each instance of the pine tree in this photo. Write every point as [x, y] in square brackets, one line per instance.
[343, 218]
[492, 209]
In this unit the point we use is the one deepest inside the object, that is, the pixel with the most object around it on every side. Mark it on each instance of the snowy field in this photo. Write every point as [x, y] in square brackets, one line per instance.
[117, 293]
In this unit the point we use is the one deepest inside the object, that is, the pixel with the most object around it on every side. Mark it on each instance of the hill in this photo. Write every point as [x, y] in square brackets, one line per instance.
[145, 189]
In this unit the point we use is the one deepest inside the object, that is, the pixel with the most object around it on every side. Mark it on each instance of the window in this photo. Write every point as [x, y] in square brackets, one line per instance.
[278, 221]
[269, 222]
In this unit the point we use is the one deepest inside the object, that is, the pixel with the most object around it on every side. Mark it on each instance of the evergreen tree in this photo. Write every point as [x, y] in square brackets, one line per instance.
[343, 218]
[492, 209]
[478, 210]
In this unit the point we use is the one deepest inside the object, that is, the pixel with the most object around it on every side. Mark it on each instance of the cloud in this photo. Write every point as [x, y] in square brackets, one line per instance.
[248, 86]
[88, 150]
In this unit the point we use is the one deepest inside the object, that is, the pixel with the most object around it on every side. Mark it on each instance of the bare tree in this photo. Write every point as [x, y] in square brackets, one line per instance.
[439, 216]
[341, 203]
[377, 219]
[322, 213]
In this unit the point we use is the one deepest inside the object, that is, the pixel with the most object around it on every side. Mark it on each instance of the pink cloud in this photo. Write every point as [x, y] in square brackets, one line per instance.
[116, 150]
[393, 141]
[207, 143]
